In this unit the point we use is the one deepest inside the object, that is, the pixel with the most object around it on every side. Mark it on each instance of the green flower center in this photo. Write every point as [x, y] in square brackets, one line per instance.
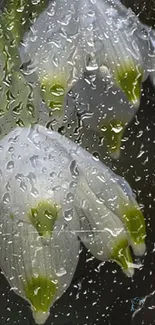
[134, 222]
[43, 218]
[129, 79]
[40, 291]
[122, 255]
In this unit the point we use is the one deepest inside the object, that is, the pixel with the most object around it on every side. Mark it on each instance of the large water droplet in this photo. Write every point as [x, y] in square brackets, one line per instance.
[74, 168]
[69, 197]
[34, 160]
[117, 128]
[10, 165]
[35, 2]
[68, 214]
[61, 272]
[6, 198]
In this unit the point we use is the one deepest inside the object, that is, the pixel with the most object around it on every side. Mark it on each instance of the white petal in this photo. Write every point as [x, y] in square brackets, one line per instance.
[57, 49]
[25, 257]
[104, 183]
[118, 48]
[101, 230]
[103, 108]
[152, 55]
[37, 177]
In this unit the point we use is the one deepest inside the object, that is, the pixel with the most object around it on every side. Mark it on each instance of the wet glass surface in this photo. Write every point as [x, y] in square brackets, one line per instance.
[100, 294]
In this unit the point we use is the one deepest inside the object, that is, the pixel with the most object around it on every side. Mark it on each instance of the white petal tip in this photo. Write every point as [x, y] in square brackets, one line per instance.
[139, 249]
[40, 317]
[115, 154]
[136, 103]
[129, 272]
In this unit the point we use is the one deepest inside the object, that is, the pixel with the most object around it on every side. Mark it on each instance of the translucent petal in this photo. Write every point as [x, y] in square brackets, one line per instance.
[118, 48]
[57, 50]
[103, 108]
[152, 56]
[143, 37]
[39, 272]
[103, 182]
[101, 230]
[38, 182]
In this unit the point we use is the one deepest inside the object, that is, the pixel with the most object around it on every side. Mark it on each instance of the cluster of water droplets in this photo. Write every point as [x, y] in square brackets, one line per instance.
[22, 104]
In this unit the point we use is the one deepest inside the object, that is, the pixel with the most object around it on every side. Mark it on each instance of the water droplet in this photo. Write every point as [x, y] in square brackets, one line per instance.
[11, 149]
[1, 112]
[36, 290]
[56, 188]
[68, 214]
[31, 110]
[23, 186]
[34, 191]
[73, 168]
[61, 272]
[52, 174]
[73, 185]
[117, 128]
[8, 187]
[61, 130]
[34, 160]
[10, 165]
[6, 198]
[103, 128]
[20, 123]
[35, 2]
[69, 197]
[18, 108]
[57, 90]
[96, 155]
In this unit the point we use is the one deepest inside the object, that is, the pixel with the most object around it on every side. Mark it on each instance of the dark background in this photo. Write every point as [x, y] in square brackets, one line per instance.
[100, 294]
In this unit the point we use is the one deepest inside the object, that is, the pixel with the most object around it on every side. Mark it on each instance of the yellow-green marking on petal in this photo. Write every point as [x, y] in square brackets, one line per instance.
[134, 222]
[19, 15]
[40, 291]
[122, 255]
[12, 217]
[129, 78]
[54, 94]
[113, 132]
[43, 218]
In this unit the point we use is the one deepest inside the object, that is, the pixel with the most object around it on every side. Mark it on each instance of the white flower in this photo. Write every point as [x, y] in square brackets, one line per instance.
[101, 230]
[120, 48]
[57, 49]
[111, 199]
[39, 245]
[36, 170]
[46, 178]
[113, 191]
[37, 271]
[103, 108]
[67, 33]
